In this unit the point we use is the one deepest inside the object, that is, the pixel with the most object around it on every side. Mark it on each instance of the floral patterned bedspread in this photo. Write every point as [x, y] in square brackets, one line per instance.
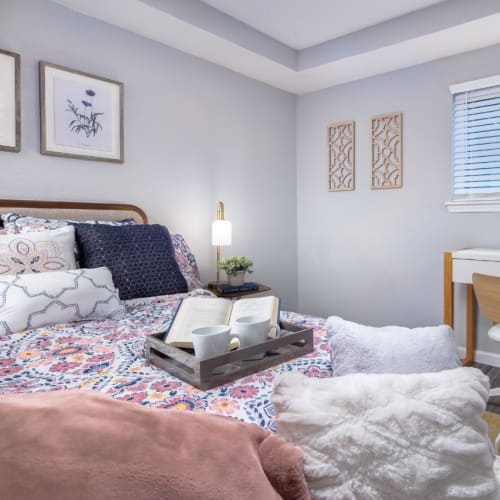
[107, 356]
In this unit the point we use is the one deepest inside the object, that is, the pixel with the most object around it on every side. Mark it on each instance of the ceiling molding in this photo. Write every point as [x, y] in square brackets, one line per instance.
[222, 40]
[433, 19]
[206, 18]
[431, 47]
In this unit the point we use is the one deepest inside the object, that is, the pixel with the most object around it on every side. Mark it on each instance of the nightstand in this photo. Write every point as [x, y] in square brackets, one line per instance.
[236, 295]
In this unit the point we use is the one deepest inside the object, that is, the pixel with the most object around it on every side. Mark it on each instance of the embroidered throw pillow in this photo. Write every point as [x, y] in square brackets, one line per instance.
[387, 436]
[141, 258]
[29, 301]
[187, 262]
[14, 222]
[38, 252]
[358, 348]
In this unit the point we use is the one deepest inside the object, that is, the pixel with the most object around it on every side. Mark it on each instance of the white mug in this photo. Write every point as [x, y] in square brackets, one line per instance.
[253, 329]
[211, 341]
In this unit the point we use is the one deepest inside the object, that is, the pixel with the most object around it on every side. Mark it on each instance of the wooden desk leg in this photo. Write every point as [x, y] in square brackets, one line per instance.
[448, 308]
[470, 335]
[448, 290]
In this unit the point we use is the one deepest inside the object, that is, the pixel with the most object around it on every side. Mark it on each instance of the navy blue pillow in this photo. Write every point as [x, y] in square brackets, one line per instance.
[141, 258]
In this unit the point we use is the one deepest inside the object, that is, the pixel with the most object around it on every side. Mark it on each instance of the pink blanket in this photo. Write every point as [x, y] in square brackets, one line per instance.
[85, 445]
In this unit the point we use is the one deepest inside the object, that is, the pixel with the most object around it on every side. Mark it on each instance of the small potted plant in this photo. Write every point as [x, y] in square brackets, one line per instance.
[235, 268]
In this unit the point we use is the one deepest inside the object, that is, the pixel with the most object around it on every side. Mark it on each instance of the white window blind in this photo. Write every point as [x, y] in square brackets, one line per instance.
[476, 140]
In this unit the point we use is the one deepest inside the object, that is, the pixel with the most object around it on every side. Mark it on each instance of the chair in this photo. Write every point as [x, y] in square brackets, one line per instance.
[487, 290]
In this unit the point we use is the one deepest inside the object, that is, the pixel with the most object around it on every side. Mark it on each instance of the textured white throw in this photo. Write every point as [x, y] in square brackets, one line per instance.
[390, 437]
[356, 348]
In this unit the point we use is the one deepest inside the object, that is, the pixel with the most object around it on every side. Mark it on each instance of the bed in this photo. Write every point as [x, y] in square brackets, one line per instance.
[108, 355]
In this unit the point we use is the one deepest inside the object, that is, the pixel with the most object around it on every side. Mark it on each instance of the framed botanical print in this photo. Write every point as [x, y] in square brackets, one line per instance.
[10, 101]
[81, 115]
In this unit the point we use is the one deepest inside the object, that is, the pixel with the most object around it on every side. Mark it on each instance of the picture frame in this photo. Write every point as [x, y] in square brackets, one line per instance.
[81, 115]
[10, 101]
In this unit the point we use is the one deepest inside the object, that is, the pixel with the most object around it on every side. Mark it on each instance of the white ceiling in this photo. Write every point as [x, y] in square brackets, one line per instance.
[304, 23]
[436, 31]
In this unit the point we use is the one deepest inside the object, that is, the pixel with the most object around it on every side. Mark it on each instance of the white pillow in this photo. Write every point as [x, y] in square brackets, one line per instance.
[390, 437]
[358, 348]
[38, 252]
[29, 301]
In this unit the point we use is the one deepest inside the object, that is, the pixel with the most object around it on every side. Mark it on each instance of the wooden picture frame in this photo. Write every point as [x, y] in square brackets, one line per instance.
[10, 101]
[340, 143]
[81, 115]
[386, 151]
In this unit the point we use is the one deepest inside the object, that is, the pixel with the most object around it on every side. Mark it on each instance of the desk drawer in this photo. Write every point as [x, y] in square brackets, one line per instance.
[463, 269]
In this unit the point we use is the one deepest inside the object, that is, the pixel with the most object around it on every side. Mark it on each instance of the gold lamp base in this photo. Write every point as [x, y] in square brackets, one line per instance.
[218, 260]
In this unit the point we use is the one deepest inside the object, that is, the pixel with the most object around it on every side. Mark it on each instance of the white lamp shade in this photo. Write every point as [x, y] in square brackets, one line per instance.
[221, 232]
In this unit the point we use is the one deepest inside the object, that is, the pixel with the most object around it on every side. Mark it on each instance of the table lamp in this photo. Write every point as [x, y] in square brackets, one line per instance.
[221, 233]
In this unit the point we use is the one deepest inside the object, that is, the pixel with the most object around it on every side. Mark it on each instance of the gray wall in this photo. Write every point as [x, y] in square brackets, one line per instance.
[375, 256]
[195, 133]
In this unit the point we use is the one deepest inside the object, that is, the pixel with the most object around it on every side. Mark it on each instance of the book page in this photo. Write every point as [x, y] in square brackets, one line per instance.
[195, 312]
[268, 306]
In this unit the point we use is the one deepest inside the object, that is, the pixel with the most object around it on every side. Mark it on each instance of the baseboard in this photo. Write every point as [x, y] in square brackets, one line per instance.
[488, 358]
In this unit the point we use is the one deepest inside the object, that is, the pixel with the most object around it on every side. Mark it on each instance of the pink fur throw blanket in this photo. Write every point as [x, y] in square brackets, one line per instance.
[85, 445]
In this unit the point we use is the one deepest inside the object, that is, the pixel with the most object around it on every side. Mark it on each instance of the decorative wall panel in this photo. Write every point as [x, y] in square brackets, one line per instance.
[386, 148]
[341, 156]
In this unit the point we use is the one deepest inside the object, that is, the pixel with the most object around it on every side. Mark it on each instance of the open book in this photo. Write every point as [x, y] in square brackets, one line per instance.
[195, 312]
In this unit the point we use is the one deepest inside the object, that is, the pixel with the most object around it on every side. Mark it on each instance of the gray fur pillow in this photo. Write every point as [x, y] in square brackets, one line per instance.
[358, 348]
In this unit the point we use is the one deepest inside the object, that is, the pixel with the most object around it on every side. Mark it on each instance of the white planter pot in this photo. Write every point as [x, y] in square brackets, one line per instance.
[237, 278]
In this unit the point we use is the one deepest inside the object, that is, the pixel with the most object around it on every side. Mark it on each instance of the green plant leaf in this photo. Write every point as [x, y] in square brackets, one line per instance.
[234, 264]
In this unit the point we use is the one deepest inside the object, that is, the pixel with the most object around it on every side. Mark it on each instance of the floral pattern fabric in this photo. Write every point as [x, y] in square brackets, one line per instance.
[108, 356]
[18, 223]
[186, 261]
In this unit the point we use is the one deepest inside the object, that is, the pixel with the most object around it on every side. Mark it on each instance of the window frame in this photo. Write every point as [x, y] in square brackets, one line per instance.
[475, 202]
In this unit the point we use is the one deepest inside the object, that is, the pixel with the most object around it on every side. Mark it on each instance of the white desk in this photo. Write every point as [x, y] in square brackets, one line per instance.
[458, 268]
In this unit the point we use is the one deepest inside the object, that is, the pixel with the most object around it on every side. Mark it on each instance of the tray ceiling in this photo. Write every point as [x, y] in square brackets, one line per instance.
[303, 23]
[306, 45]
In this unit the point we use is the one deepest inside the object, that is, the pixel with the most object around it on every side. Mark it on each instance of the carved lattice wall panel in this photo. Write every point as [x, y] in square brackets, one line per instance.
[386, 137]
[341, 156]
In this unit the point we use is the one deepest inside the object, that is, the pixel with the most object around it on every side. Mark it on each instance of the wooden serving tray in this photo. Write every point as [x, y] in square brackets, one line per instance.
[293, 342]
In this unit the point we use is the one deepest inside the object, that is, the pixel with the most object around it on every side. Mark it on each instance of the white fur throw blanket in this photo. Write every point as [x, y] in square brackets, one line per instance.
[390, 437]
[356, 348]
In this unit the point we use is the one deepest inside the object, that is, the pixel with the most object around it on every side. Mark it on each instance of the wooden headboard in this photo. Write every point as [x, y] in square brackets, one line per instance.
[74, 210]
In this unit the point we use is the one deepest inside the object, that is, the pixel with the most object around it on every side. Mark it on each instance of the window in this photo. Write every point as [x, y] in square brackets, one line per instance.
[476, 146]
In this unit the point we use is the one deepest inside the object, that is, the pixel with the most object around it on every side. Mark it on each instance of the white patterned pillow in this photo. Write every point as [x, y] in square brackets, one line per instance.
[29, 301]
[39, 252]
[390, 436]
